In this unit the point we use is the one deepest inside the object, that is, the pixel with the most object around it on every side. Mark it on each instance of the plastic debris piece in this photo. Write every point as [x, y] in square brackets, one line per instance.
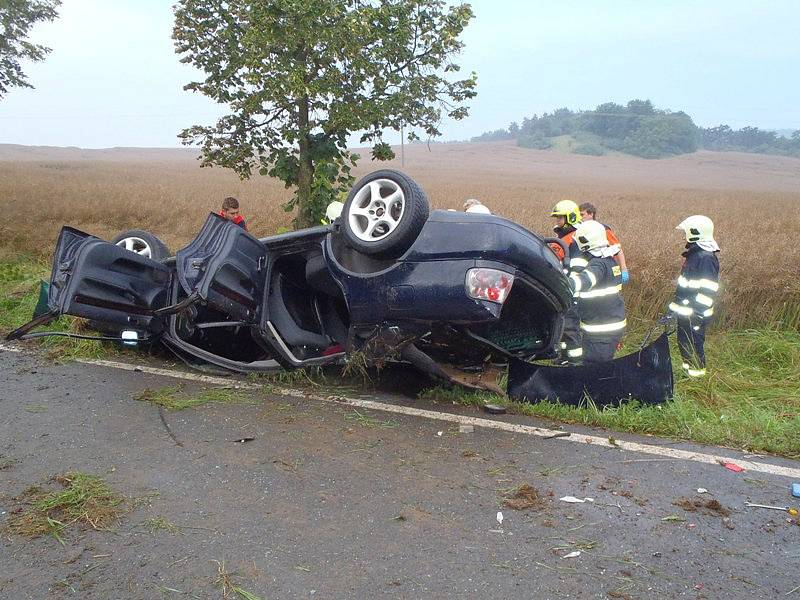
[494, 409]
[500, 517]
[702, 491]
[243, 440]
[796, 490]
[575, 554]
[466, 428]
[574, 500]
[732, 466]
[792, 511]
[440, 433]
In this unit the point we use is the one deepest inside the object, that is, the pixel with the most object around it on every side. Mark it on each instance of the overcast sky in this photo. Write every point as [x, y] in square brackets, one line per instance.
[113, 78]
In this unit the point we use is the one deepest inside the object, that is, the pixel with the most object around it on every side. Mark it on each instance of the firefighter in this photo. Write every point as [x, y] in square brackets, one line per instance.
[598, 290]
[568, 216]
[696, 293]
[589, 213]
[476, 206]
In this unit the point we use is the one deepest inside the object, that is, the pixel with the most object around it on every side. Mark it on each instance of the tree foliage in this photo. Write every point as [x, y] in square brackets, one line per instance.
[750, 139]
[641, 129]
[17, 17]
[300, 76]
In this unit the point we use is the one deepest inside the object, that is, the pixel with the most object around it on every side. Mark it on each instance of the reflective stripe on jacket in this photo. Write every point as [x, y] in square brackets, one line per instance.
[597, 288]
[698, 284]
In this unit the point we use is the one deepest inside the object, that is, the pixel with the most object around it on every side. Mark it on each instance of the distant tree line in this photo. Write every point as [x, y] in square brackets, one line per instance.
[637, 128]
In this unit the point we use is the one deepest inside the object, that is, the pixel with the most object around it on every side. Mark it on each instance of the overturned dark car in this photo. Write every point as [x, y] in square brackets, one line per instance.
[388, 280]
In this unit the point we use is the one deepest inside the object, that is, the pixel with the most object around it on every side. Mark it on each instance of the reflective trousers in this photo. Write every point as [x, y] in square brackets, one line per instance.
[691, 339]
[571, 337]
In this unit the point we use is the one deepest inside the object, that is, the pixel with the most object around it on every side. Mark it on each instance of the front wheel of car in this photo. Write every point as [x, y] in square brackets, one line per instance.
[142, 243]
[384, 213]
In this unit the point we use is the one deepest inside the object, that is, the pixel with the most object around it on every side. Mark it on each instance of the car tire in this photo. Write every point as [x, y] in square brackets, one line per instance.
[143, 243]
[384, 213]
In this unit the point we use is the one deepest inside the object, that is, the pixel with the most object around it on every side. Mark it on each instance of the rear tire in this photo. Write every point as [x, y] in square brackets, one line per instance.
[384, 213]
[143, 243]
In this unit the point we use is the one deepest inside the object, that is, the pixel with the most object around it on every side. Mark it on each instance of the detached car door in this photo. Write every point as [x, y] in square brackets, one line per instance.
[224, 266]
[103, 282]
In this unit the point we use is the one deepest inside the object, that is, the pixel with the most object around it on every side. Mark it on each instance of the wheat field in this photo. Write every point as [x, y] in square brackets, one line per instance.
[753, 200]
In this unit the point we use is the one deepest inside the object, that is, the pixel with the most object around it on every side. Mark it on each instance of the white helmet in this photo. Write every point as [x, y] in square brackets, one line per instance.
[697, 228]
[476, 206]
[333, 211]
[590, 235]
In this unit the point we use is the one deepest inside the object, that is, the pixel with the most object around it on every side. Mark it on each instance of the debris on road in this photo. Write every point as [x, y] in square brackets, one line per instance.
[796, 490]
[500, 517]
[243, 440]
[702, 491]
[673, 519]
[574, 500]
[710, 506]
[494, 409]
[788, 509]
[524, 497]
[466, 429]
[557, 434]
[731, 466]
[575, 554]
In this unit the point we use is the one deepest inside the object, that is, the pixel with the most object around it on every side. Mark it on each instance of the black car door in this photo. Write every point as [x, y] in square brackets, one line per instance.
[225, 266]
[104, 282]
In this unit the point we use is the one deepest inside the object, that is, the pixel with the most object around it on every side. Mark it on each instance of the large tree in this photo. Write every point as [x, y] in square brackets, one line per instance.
[301, 76]
[16, 19]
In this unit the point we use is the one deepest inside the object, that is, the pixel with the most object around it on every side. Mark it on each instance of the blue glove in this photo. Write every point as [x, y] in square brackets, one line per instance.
[625, 277]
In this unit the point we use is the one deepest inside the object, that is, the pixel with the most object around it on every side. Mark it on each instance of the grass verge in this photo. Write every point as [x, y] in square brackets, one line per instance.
[174, 398]
[85, 499]
[749, 400]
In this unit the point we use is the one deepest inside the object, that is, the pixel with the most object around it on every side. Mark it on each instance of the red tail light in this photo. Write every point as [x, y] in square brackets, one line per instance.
[489, 284]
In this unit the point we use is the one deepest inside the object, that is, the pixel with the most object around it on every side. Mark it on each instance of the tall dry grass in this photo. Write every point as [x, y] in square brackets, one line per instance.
[753, 200]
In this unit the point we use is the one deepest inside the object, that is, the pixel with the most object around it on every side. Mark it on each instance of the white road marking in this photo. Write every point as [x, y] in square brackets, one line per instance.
[594, 440]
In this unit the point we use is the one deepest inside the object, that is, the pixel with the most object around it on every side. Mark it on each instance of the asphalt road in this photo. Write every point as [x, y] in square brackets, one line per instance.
[329, 503]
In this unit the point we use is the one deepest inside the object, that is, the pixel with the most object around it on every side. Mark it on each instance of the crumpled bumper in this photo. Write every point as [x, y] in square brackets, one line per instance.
[645, 376]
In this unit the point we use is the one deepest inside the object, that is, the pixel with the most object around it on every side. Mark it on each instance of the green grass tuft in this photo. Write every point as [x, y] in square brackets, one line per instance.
[174, 399]
[157, 524]
[85, 499]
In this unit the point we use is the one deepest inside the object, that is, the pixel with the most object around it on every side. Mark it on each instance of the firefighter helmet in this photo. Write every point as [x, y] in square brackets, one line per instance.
[698, 228]
[569, 210]
[476, 206]
[590, 235]
[333, 211]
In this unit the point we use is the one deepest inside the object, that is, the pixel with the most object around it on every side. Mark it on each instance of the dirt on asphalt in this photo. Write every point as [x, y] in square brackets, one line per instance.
[328, 502]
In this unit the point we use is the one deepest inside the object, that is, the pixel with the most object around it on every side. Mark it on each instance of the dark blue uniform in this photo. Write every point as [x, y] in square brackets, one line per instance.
[695, 296]
[598, 290]
[571, 347]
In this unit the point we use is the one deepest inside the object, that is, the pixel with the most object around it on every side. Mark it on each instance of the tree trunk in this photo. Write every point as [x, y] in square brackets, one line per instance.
[305, 174]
